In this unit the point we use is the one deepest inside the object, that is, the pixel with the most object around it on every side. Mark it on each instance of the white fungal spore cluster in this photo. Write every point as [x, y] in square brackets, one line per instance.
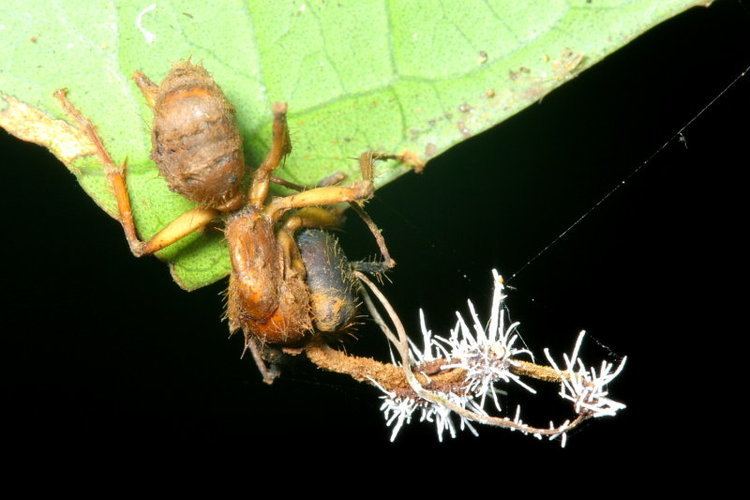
[585, 387]
[487, 354]
[399, 411]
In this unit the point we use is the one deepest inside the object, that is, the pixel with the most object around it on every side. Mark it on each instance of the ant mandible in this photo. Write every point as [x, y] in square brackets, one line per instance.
[283, 285]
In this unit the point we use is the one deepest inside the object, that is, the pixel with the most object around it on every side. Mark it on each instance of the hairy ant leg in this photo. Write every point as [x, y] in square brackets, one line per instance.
[281, 145]
[334, 179]
[366, 167]
[327, 195]
[310, 217]
[268, 371]
[182, 226]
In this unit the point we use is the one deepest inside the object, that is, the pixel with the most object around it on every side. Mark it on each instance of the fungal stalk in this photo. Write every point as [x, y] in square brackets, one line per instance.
[450, 380]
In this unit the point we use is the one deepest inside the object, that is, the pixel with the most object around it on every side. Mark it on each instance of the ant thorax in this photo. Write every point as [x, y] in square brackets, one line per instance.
[267, 292]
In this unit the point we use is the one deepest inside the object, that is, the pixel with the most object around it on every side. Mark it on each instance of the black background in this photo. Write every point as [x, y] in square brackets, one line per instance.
[101, 351]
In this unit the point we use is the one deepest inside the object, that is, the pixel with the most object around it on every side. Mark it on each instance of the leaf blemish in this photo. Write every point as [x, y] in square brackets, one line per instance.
[523, 70]
[568, 65]
[147, 35]
[463, 129]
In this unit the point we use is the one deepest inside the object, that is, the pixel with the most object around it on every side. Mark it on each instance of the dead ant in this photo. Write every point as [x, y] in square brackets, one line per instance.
[284, 285]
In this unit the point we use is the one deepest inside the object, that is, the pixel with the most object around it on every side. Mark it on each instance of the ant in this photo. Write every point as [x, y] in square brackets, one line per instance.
[289, 278]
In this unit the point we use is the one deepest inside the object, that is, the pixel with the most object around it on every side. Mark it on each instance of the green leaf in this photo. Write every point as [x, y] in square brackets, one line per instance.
[398, 76]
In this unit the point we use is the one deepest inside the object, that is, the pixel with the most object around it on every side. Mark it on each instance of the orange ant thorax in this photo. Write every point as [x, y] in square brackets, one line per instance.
[266, 294]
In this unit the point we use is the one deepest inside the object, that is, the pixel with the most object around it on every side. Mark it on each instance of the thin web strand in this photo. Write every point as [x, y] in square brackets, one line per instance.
[676, 136]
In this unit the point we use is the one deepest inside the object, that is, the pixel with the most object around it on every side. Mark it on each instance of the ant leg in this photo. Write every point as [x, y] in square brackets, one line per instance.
[280, 147]
[307, 217]
[328, 195]
[177, 229]
[332, 180]
[368, 159]
[376, 269]
[332, 195]
[366, 162]
[148, 88]
[313, 217]
[289, 184]
[185, 224]
[388, 262]
[269, 374]
[115, 175]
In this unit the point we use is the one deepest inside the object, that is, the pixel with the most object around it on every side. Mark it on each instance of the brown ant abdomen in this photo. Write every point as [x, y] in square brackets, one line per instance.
[330, 280]
[196, 141]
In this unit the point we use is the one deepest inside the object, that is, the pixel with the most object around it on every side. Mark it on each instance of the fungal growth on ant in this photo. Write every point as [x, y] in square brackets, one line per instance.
[290, 283]
[288, 279]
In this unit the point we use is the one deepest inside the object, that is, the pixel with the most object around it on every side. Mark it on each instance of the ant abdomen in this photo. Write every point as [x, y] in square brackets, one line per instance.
[196, 141]
[330, 280]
